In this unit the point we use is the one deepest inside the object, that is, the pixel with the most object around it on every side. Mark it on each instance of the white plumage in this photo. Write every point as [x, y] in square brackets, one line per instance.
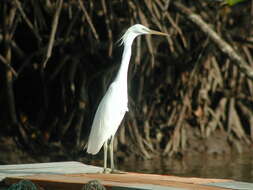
[107, 118]
[113, 105]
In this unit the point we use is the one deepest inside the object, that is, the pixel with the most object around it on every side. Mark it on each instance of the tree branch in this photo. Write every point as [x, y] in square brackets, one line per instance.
[53, 32]
[222, 44]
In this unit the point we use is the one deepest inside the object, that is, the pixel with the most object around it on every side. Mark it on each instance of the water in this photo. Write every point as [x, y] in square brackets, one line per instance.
[235, 166]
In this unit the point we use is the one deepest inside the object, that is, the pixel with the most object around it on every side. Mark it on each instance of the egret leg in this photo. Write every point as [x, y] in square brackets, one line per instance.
[112, 158]
[111, 153]
[105, 157]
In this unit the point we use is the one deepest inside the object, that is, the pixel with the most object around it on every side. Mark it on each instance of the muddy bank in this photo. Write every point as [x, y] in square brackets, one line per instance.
[216, 145]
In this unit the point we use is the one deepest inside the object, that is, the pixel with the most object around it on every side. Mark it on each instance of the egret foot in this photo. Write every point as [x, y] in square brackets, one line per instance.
[107, 170]
[115, 171]
[112, 171]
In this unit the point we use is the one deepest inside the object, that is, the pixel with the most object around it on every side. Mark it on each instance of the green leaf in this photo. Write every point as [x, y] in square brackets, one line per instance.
[233, 2]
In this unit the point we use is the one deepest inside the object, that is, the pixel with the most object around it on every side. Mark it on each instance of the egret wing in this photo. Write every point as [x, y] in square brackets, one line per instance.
[108, 117]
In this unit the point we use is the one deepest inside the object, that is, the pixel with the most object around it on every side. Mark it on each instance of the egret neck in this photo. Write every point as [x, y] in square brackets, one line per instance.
[123, 70]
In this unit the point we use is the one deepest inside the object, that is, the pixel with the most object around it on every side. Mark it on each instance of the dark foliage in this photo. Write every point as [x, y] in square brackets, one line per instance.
[58, 57]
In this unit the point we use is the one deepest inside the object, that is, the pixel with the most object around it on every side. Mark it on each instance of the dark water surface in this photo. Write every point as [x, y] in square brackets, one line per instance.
[235, 166]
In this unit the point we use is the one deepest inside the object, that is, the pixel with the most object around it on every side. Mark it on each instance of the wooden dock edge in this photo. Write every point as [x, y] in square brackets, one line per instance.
[73, 175]
[125, 181]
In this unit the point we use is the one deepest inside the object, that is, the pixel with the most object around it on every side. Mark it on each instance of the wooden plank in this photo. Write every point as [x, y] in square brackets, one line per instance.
[73, 175]
[56, 167]
[76, 181]
[238, 185]
[47, 168]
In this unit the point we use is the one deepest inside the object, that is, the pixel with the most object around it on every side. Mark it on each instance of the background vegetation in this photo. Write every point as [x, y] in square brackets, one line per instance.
[58, 58]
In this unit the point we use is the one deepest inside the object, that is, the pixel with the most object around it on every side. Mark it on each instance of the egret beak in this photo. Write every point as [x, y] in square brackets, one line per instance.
[158, 33]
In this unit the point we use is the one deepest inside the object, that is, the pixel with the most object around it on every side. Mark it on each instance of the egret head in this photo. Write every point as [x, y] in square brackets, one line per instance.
[138, 29]
[135, 31]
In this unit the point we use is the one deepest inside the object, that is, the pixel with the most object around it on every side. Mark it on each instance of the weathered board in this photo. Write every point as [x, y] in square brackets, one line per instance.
[47, 168]
[73, 175]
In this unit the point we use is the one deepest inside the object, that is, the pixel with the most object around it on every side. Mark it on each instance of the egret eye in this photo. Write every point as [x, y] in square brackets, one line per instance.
[145, 30]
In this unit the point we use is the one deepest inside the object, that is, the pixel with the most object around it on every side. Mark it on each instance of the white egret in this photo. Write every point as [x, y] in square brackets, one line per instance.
[113, 105]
